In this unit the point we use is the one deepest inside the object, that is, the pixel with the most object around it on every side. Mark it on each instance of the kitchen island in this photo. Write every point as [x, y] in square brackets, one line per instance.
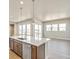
[28, 48]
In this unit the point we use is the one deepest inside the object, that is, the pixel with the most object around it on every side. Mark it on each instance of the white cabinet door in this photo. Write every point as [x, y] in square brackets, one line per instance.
[26, 51]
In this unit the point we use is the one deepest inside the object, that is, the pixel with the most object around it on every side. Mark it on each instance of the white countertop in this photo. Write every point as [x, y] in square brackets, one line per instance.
[32, 41]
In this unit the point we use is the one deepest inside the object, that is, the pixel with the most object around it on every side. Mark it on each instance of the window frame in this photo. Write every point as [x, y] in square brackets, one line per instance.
[62, 27]
[48, 27]
[54, 28]
[23, 33]
[38, 31]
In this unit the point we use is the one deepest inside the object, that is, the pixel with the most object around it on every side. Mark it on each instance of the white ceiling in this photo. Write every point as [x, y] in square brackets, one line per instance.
[44, 9]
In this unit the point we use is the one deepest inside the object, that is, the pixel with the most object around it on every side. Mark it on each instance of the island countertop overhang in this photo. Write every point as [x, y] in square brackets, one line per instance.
[32, 41]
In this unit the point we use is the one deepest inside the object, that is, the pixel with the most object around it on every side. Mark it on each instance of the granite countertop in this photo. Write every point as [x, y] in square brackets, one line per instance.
[32, 41]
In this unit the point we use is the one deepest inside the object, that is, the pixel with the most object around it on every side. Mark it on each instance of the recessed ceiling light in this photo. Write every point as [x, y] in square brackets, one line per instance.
[21, 2]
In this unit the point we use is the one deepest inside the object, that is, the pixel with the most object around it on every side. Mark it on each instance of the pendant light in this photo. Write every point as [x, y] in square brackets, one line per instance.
[35, 18]
[33, 21]
[21, 9]
[21, 2]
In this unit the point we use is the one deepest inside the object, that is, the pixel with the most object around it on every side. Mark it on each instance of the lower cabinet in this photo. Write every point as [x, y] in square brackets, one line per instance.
[11, 43]
[18, 47]
[26, 51]
[15, 46]
[33, 52]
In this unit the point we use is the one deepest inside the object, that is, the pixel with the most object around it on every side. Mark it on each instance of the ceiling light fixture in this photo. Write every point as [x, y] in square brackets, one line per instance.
[21, 2]
[35, 18]
[33, 12]
[21, 9]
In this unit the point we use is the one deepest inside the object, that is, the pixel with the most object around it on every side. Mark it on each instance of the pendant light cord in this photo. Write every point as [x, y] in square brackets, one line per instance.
[21, 12]
[33, 9]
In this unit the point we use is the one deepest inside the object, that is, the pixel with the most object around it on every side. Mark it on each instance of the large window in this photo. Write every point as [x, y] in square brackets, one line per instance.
[25, 31]
[22, 30]
[62, 27]
[54, 27]
[38, 31]
[48, 27]
[28, 31]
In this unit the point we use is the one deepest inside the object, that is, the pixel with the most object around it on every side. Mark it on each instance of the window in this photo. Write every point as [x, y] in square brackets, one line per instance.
[38, 31]
[48, 27]
[62, 27]
[28, 37]
[54, 27]
[28, 29]
[22, 30]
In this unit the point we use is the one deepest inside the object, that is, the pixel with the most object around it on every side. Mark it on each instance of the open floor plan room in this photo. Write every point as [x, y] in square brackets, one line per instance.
[39, 29]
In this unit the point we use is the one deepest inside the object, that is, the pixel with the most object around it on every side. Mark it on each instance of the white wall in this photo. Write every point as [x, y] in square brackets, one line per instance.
[57, 49]
[58, 34]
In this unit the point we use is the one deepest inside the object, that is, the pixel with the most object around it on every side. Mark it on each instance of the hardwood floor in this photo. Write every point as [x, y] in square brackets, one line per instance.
[12, 55]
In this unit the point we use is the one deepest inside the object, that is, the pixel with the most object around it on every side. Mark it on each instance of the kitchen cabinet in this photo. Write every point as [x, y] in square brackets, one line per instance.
[15, 46]
[41, 52]
[29, 49]
[26, 51]
[10, 44]
[18, 47]
[33, 52]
